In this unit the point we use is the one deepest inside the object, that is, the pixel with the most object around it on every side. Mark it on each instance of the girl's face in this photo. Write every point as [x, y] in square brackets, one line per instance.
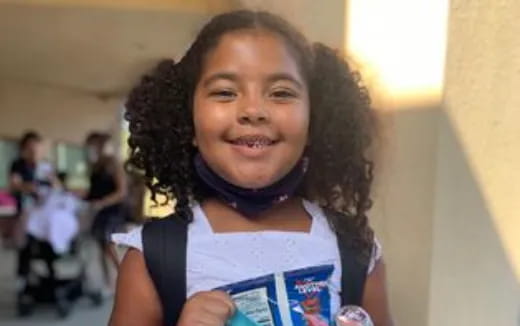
[251, 109]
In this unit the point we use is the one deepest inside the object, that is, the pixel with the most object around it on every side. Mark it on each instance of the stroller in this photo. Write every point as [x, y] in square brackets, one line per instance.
[44, 284]
[54, 267]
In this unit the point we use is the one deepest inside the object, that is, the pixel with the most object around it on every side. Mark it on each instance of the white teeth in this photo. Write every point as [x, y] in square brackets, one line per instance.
[256, 144]
[259, 143]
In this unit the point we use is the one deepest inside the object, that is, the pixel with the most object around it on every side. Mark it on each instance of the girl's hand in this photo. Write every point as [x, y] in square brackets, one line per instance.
[212, 308]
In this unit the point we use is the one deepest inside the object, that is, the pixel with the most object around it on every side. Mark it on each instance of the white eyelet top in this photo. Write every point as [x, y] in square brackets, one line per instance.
[218, 259]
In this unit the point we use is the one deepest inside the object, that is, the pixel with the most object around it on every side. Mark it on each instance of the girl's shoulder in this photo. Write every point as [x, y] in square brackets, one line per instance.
[322, 227]
[133, 238]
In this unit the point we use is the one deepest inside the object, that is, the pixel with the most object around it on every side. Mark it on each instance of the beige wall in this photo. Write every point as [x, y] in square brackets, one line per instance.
[402, 215]
[447, 197]
[476, 257]
[403, 68]
[58, 114]
[319, 22]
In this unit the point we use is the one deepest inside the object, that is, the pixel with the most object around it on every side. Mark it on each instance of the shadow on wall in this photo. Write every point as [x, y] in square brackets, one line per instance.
[402, 214]
[472, 279]
[445, 259]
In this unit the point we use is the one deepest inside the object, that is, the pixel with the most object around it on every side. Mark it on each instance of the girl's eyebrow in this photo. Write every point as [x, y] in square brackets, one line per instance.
[230, 76]
[220, 75]
[283, 76]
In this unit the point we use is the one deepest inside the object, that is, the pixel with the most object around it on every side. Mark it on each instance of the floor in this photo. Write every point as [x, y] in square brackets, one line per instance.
[83, 313]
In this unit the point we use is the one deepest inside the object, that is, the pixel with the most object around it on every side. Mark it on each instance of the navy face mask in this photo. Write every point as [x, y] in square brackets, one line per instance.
[251, 202]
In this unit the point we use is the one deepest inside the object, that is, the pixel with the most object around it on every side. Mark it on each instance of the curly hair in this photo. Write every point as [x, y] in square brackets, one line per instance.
[159, 111]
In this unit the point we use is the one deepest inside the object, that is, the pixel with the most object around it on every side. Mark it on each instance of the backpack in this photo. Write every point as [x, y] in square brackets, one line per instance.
[164, 249]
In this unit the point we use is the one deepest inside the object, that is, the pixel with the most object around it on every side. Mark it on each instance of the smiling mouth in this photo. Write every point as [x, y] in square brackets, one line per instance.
[253, 141]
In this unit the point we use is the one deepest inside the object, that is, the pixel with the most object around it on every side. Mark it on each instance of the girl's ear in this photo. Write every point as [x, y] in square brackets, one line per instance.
[194, 142]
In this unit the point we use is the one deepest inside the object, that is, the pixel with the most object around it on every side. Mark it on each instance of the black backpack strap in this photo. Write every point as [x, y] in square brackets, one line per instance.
[353, 269]
[353, 274]
[164, 248]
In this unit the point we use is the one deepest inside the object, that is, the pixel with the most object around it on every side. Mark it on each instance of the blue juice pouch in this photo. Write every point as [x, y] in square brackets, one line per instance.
[295, 298]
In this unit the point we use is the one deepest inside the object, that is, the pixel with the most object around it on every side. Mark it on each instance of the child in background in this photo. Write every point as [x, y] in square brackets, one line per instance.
[261, 138]
[55, 219]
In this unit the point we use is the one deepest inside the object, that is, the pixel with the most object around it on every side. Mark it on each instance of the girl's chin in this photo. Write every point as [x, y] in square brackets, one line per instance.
[253, 182]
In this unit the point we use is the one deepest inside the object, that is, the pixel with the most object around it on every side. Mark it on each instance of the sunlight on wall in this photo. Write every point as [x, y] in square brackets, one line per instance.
[400, 46]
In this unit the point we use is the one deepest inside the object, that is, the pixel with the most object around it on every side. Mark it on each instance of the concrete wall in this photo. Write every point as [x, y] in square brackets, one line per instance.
[319, 21]
[402, 214]
[400, 48]
[447, 194]
[476, 242]
[58, 114]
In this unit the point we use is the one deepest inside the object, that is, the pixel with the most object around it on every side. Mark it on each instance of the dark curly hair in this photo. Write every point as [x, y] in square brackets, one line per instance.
[339, 178]
[28, 137]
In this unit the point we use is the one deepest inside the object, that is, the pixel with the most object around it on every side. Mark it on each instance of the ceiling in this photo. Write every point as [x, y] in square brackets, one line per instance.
[95, 46]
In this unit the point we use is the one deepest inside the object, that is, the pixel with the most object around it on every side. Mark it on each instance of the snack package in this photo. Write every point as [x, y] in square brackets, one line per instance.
[295, 298]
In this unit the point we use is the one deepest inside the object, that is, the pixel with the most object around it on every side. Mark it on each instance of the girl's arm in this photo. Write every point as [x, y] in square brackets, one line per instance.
[375, 299]
[136, 302]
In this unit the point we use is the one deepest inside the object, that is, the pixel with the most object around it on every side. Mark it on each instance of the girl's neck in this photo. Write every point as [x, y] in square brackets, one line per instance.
[287, 216]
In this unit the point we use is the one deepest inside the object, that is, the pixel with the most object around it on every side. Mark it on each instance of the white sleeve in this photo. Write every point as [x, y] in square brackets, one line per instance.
[132, 239]
[377, 253]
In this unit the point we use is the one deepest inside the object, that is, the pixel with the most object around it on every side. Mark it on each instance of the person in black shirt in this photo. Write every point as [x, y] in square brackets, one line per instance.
[22, 175]
[106, 195]
[28, 176]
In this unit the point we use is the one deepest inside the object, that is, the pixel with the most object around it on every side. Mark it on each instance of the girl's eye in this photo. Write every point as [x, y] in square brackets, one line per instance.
[283, 94]
[223, 95]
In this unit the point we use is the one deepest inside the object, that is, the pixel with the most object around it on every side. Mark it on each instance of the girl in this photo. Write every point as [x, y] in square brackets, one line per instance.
[255, 134]
[106, 194]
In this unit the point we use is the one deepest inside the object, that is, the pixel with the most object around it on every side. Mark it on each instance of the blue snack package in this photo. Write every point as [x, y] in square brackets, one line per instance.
[256, 298]
[309, 296]
[295, 298]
